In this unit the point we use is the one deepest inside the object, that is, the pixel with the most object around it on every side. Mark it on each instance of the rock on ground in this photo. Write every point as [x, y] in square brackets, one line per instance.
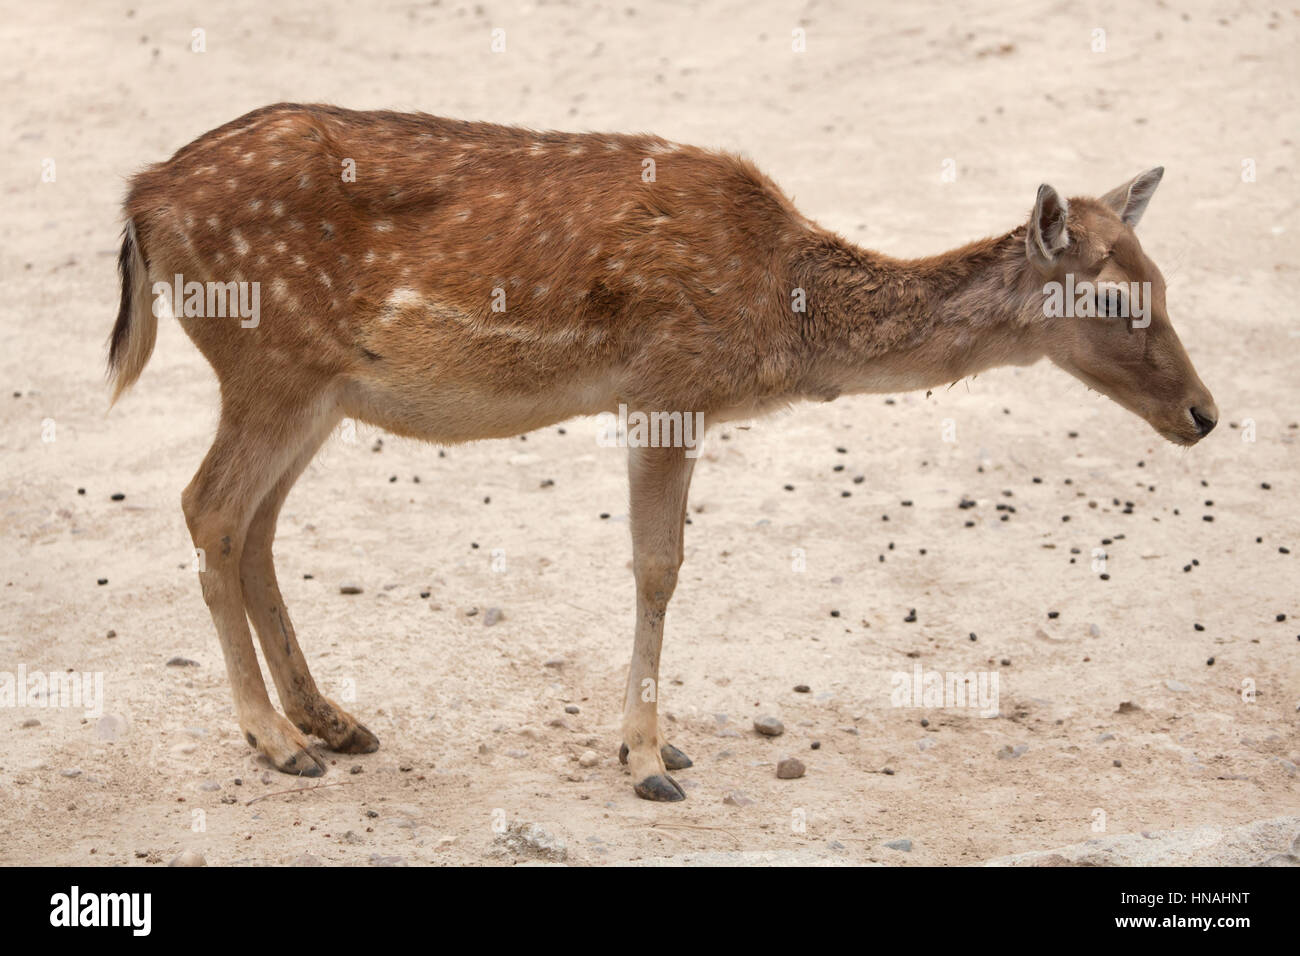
[528, 840]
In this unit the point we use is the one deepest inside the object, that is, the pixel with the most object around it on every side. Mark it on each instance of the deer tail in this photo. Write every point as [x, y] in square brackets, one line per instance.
[136, 328]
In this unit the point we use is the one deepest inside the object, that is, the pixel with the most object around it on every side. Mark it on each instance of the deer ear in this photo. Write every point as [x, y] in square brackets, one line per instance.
[1047, 236]
[1130, 200]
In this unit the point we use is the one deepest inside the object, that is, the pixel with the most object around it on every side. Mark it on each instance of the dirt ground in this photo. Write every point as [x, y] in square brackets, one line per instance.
[780, 587]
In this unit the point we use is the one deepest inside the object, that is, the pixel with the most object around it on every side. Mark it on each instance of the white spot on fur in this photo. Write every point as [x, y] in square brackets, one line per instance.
[398, 300]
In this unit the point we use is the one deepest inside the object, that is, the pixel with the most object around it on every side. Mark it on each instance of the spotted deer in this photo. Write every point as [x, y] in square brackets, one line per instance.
[454, 281]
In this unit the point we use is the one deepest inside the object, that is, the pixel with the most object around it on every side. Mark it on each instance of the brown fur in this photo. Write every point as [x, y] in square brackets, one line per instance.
[671, 295]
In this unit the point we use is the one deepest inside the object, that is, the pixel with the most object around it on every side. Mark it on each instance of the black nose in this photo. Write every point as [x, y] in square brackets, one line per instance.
[1204, 423]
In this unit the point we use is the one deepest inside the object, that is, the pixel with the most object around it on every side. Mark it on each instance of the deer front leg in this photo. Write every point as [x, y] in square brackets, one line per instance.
[659, 480]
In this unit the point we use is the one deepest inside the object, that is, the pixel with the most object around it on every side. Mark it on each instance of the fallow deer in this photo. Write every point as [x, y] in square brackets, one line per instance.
[475, 281]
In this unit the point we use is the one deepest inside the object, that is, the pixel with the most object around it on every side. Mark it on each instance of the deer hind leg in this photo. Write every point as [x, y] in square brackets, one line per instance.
[303, 703]
[254, 445]
[660, 479]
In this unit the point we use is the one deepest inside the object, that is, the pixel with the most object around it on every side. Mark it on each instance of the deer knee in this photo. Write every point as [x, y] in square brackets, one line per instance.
[216, 535]
[656, 578]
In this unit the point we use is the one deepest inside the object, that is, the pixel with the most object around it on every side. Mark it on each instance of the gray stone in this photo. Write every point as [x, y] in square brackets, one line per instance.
[769, 726]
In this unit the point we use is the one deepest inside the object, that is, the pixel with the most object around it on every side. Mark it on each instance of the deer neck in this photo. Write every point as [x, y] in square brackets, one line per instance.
[877, 324]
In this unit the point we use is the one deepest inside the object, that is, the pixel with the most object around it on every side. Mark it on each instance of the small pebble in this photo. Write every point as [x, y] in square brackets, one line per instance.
[769, 726]
[791, 768]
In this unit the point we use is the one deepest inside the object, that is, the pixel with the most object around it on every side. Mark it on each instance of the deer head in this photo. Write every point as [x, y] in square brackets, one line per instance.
[1106, 322]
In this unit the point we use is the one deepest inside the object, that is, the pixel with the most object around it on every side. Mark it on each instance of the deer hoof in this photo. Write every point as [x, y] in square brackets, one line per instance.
[673, 758]
[302, 764]
[287, 749]
[358, 741]
[660, 787]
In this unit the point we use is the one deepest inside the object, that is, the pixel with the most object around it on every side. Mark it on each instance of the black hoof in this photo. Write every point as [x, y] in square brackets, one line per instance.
[660, 787]
[674, 759]
[359, 741]
[304, 764]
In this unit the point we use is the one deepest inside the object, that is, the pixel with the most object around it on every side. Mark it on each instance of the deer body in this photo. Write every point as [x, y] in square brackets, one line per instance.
[476, 281]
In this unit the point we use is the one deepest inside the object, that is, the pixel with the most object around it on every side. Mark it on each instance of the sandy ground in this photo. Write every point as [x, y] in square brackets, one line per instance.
[857, 129]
